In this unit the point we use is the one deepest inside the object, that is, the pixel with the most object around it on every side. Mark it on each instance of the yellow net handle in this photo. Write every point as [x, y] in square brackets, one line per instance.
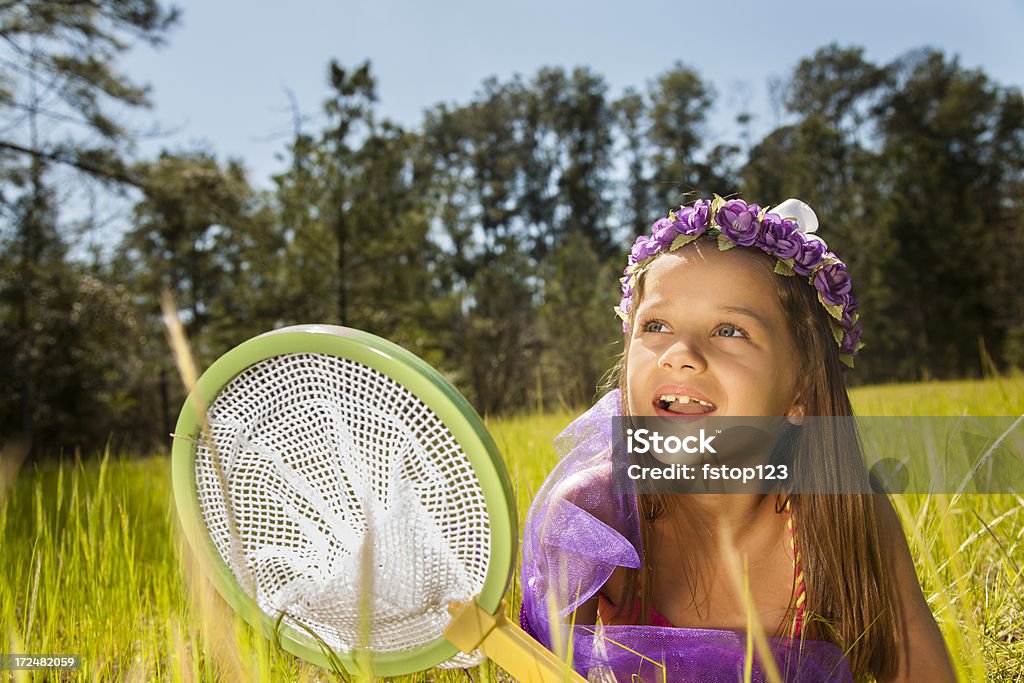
[504, 642]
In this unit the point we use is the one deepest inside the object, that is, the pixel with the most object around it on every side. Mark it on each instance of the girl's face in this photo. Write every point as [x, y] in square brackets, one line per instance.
[710, 336]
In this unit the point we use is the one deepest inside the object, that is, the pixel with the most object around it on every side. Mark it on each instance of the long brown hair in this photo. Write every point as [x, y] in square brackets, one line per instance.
[849, 599]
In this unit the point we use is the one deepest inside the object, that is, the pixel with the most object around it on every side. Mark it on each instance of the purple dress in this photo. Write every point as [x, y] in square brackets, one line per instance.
[577, 532]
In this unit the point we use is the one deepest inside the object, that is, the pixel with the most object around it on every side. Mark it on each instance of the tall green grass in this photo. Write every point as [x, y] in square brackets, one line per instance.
[92, 564]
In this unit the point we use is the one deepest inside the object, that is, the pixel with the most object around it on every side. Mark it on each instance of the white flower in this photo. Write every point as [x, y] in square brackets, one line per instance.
[804, 215]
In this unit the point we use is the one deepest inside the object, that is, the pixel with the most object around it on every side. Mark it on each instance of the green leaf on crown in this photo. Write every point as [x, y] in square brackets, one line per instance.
[724, 243]
[681, 241]
[619, 312]
[836, 311]
[716, 204]
[784, 267]
[837, 332]
[847, 360]
[826, 260]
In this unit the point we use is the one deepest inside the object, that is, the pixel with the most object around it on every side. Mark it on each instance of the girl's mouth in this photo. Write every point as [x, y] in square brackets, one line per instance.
[681, 404]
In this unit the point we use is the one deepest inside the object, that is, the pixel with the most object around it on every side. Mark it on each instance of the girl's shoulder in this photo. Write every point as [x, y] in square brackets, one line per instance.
[890, 528]
[922, 651]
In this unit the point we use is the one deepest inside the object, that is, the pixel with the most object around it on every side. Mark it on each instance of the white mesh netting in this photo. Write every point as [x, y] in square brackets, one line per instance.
[326, 460]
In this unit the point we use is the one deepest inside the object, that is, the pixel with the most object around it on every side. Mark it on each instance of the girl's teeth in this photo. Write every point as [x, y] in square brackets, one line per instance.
[670, 398]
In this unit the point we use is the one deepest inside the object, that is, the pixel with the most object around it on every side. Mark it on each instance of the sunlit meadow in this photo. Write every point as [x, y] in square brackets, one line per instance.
[92, 563]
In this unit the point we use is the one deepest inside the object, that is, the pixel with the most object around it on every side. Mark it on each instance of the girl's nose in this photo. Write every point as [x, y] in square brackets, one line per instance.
[681, 355]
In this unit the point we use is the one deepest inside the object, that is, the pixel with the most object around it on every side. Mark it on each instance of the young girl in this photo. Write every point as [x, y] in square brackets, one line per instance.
[729, 310]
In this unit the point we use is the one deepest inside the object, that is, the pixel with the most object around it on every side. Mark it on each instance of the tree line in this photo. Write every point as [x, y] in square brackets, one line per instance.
[488, 238]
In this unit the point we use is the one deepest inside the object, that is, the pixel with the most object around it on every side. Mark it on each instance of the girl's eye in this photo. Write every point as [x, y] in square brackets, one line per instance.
[653, 326]
[728, 330]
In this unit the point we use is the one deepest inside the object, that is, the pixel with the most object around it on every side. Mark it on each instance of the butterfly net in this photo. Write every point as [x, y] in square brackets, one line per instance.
[342, 503]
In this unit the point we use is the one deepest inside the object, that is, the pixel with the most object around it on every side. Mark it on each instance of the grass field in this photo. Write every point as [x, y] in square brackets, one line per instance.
[91, 563]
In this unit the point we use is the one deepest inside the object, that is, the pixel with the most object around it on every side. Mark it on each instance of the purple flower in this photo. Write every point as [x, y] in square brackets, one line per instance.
[778, 236]
[663, 231]
[833, 282]
[643, 247]
[703, 208]
[693, 220]
[851, 338]
[848, 312]
[812, 250]
[738, 222]
[624, 306]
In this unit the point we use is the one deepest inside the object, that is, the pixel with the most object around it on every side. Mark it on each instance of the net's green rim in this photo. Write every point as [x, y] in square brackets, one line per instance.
[430, 387]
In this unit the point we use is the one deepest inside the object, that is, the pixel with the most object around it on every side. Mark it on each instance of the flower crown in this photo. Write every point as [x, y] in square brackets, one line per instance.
[785, 232]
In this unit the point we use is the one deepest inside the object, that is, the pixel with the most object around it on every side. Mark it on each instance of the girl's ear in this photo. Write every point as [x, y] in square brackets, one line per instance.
[795, 414]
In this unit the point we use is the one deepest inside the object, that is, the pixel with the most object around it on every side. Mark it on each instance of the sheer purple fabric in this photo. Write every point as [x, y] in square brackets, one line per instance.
[577, 532]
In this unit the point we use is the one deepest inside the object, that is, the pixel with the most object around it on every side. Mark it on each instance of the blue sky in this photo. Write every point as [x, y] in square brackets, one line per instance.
[220, 82]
